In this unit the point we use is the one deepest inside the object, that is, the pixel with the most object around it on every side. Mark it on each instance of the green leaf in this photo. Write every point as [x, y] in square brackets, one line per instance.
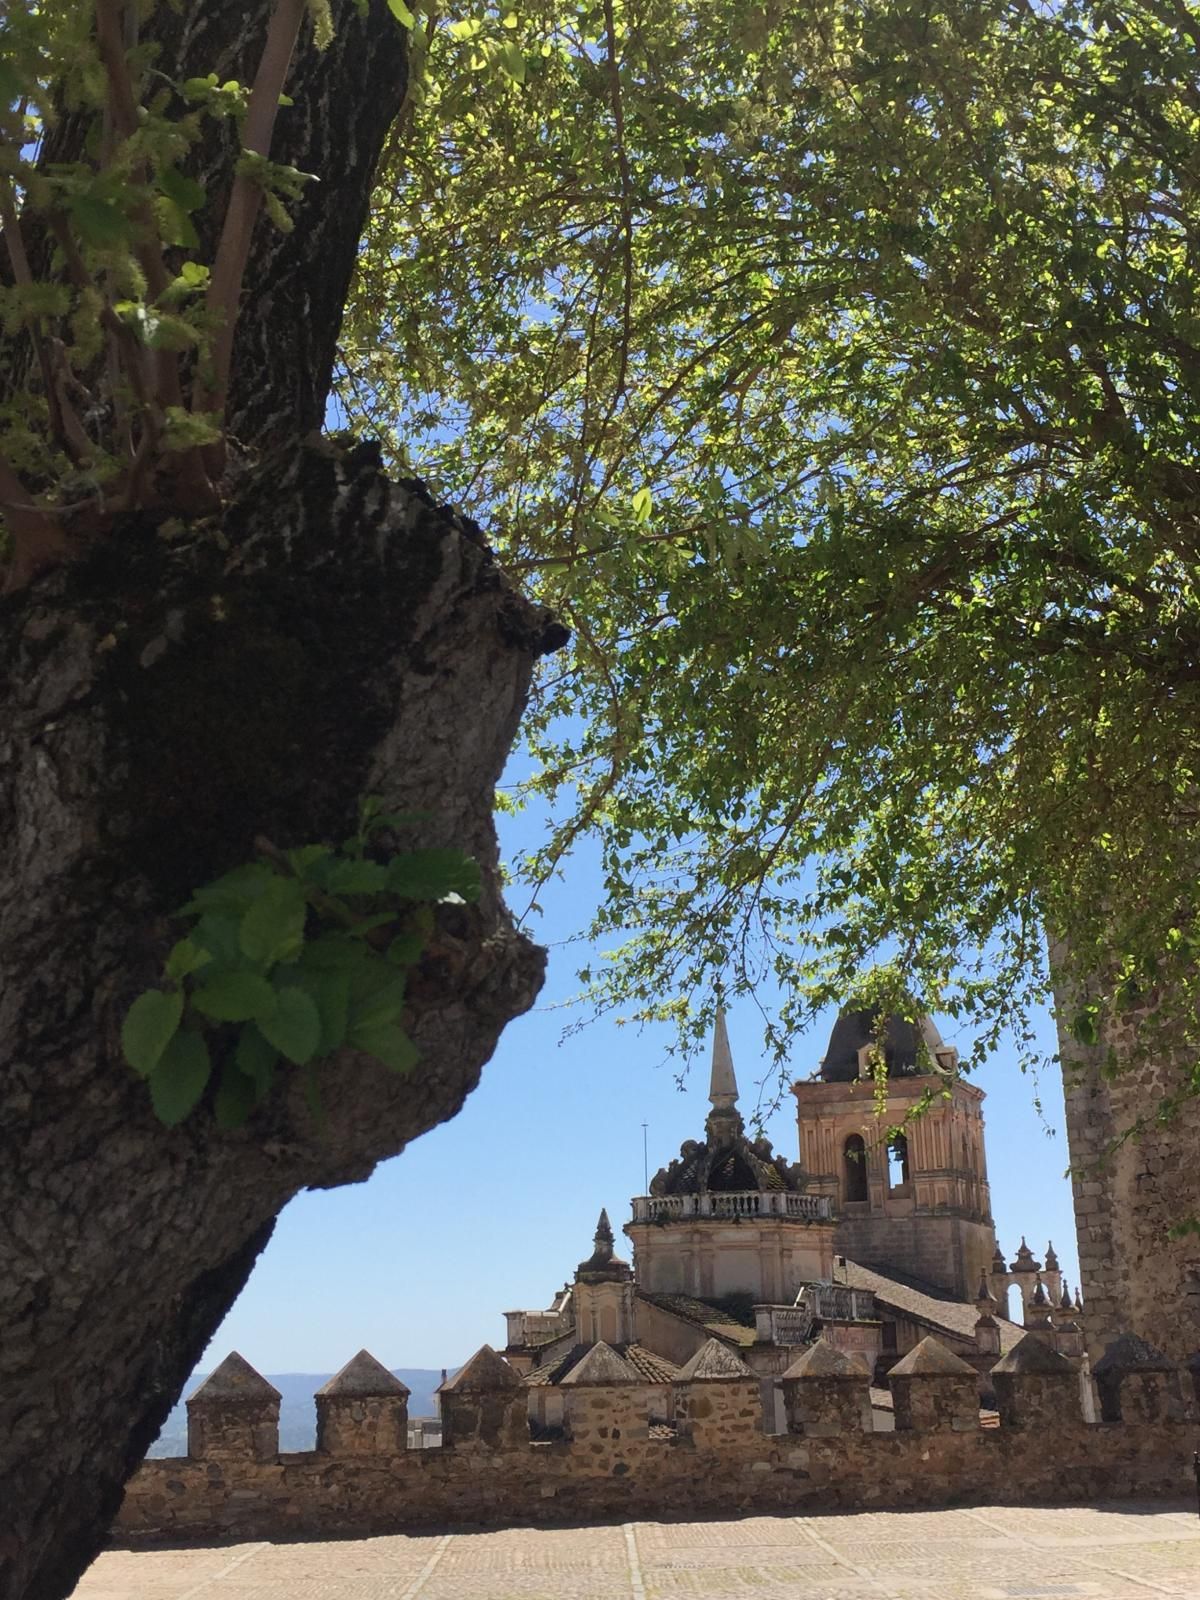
[233, 891]
[405, 949]
[641, 505]
[512, 61]
[295, 1027]
[217, 932]
[273, 928]
[256, 1058]
[332, 950]
[98, 222]
[236, 1097]
[434, 874]
[183, 192]
[387, 1043]
[1084, 1028]
[355, 877]
[180, 1077]
[149, 1026]
[235, 996]
[303, 860]
[186, 957]
[377, 993]
[402, 14]
[331, 993]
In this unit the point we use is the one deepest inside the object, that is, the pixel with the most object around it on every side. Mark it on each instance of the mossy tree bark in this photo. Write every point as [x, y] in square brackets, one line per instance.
[164, 701]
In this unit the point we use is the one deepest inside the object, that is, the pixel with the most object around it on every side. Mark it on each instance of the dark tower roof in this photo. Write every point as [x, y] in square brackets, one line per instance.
[901, 1045]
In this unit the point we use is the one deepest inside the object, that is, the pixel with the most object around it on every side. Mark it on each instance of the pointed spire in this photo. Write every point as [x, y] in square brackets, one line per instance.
[1078, 1300]
[722, 1089]
[1040, 1297]
[983, 1295]
[1065, 1303]
[602, 1263]
[1051, 1258]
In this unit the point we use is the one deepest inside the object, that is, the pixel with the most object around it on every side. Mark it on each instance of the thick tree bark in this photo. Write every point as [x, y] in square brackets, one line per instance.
[162, 703]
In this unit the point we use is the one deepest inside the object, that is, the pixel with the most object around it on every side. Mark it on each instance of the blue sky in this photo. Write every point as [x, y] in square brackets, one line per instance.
[493, 1210]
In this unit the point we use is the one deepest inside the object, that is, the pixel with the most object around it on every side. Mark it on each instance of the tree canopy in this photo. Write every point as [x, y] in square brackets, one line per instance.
[833, 369]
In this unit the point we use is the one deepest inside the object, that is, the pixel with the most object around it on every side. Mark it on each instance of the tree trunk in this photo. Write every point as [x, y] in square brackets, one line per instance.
[162, 703]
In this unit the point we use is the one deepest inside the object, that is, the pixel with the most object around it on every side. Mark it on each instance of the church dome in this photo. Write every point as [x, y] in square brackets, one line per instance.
[902, 1041]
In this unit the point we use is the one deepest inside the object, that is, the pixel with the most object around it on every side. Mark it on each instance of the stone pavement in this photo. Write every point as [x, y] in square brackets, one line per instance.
[1114, 1552]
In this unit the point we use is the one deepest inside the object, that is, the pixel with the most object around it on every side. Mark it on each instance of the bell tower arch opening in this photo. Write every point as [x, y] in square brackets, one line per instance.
[854, 1170]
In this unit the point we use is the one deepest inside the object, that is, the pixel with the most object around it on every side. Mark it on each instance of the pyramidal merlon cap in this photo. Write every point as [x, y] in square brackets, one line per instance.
[930, 1357]
[235, 1379]
[713, 1362]
[365, 1377]
[823, 1360]
[485, 1372]
[602, 1364]
[1034, 1355]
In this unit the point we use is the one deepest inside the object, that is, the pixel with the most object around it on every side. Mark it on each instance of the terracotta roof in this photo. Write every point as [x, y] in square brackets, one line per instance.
[925, 1303]
[650, 1368]
[701, 1315]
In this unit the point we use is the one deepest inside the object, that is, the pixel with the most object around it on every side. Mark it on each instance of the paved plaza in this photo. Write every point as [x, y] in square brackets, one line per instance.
[1118, 1552]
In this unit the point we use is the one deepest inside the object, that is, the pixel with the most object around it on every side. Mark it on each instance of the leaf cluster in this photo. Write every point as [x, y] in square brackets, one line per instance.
[286, 961]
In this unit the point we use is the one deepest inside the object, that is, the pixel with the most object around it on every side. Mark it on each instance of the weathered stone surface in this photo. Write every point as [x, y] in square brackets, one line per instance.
[826, 1394]
[1035, 1387]
[1137, 1383]
[484, 1405]
[601, 1365]
[233, 1414]
[485, 1371]
[362, 1410]
[713, 1361]
[933, 1389]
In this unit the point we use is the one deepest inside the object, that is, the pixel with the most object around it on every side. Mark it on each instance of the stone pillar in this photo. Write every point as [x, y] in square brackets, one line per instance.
[933, 1390]
[362, 1411]
[718, 1400]
[484, 1405]
[1035, 1386]
[234, 1415]
[825, 1393]
[1128, 1193]
[1137, 1383]
[604, 1399]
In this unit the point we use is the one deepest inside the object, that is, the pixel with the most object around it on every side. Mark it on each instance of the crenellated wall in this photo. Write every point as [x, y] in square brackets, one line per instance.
[718, 1460]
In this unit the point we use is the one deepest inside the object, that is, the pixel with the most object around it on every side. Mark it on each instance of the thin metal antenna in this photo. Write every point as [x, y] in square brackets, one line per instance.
[645, 1161]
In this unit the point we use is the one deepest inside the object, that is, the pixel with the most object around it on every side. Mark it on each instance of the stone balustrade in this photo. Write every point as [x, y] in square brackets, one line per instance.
[747, 1203]
[613, 1463]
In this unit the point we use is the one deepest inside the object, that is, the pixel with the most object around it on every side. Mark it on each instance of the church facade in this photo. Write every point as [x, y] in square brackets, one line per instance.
[879, 1235]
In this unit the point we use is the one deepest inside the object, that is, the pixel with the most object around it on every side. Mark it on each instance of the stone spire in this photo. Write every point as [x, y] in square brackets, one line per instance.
[602, 1263]
[722, 1089]
[1040, 1297]
[1051, 1258]
[984, 1298]
[1065, 1303]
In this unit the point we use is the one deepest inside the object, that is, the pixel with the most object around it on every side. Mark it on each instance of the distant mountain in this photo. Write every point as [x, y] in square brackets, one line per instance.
[297, 1415]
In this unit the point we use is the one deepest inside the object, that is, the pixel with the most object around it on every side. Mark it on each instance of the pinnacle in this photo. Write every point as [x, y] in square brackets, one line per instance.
[723, 1089]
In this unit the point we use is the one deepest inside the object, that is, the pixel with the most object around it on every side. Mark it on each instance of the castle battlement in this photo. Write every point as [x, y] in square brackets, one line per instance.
[617, 1458]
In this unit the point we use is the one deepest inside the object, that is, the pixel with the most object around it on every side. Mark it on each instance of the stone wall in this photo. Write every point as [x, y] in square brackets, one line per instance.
[719, 1461]
[1134, 1276]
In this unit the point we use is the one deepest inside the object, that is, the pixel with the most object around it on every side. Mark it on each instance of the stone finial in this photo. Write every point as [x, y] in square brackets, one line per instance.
[1035, 1386]
[722, 1089]
[1023, 1261]
[1137, 1383]
[933, 1389]
[362, 1410]
[1051, 1258]
[484, 1405]
[1064, 1303]
[999, 1265]
[714, 1362]
[601, 1365]
[234, 1414]
[602, 1264]
[1040, 1298]
[485, 1372]
[825, 1393]
[1078, 1300]
[984, 1298]
[987, 1335]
